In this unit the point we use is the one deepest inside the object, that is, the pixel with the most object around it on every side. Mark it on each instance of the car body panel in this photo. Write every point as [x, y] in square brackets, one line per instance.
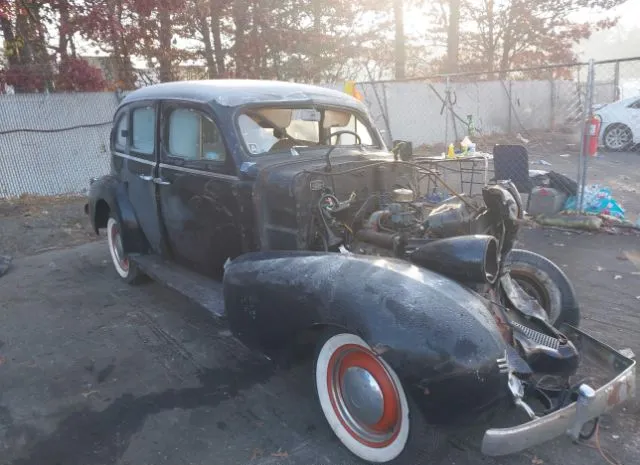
[439, 336]
[625, 112]
[110, 190]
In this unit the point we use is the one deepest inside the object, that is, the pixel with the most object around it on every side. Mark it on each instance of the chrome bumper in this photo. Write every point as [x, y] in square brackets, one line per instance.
[571, 419]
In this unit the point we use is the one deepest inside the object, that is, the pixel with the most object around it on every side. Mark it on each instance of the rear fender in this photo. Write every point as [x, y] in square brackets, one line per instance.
[439, 336]
[110, 190]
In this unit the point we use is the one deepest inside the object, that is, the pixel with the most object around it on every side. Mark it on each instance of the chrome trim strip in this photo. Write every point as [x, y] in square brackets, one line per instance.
[136, 159]
[178, 168]
[199, 172]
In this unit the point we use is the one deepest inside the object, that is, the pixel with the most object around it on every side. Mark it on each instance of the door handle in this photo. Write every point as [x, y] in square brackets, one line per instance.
[161, 181]
[145, 177]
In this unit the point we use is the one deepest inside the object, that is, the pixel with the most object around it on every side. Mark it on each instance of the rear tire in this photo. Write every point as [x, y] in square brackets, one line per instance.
[366, 406]
[617, 137]
[126, 269]
[546, 282]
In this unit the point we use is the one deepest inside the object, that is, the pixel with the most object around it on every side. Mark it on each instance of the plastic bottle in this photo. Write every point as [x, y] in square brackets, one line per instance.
[451, 152]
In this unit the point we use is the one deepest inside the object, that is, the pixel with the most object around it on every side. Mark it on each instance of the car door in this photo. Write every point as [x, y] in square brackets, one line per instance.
[136, 158]
[634, 119]
[197, 179]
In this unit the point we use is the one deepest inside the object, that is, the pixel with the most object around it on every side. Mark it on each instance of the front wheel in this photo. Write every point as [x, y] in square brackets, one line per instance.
[543, 280]
[365, 404]
[127, 270]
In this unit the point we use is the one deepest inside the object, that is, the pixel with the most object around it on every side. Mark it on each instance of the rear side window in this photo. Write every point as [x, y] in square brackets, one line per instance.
[121, 135]
[143, 130]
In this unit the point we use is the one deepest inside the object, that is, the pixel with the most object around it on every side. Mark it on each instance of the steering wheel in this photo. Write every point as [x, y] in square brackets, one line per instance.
[339, 133]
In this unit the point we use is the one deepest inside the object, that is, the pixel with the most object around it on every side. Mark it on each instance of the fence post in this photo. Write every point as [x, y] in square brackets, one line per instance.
[584, 144]
[510, 106]
[552, 115]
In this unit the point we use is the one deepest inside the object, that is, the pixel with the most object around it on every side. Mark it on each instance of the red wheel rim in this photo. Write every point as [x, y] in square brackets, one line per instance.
[385, 429]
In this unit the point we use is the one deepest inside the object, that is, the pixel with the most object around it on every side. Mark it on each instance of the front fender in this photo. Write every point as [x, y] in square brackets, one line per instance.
[439, 336]
[111, 191]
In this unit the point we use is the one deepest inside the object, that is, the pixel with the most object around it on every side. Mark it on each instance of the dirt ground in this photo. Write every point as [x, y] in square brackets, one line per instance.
[32, 225]
[95, 372]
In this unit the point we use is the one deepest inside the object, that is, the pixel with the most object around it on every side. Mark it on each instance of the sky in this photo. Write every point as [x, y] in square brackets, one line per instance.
[621, 41]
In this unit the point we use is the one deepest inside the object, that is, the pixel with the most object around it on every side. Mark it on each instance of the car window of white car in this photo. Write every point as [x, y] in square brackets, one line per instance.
[635, 105]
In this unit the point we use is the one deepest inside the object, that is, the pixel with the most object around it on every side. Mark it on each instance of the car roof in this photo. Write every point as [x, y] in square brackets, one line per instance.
[239, 92]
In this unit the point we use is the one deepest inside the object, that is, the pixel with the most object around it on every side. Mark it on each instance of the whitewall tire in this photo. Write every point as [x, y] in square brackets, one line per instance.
[120, 261]
[362, 399]
[123, 266]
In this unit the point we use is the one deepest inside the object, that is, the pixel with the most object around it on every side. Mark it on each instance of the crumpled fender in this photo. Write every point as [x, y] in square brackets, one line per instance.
[438, 335]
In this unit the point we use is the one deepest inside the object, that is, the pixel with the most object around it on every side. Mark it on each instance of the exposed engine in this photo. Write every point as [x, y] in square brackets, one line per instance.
[462, 237]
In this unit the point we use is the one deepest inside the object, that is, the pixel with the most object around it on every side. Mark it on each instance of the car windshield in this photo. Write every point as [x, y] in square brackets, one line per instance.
[267, 130]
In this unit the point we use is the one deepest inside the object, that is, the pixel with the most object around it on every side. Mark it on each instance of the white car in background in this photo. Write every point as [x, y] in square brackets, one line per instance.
[620, 129]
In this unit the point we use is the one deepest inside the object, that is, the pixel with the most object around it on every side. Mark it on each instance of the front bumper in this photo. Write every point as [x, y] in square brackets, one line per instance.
[618, 386]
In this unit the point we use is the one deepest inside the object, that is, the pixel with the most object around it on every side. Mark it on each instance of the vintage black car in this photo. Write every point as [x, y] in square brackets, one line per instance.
[278, 207]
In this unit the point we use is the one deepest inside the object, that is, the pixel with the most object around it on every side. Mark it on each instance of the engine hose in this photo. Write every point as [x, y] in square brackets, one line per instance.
[376, 238]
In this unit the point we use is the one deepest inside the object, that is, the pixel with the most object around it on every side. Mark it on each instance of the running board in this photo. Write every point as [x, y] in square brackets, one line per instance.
[201, 290]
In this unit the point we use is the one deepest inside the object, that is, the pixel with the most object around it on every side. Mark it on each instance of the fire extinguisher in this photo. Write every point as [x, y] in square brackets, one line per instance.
[594, 135]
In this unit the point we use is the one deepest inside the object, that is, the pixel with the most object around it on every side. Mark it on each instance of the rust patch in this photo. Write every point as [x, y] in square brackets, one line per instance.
[619, 392]
[614, 395]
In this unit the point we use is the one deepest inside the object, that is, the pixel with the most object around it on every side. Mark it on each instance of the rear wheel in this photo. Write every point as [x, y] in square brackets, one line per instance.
[544, 281]
[618, 137]
[366, 406]
[124, 267]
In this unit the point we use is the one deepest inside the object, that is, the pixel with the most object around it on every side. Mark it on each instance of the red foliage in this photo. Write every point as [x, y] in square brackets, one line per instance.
[73, 75]
[25, 78]
[76, 75]
[5, 9]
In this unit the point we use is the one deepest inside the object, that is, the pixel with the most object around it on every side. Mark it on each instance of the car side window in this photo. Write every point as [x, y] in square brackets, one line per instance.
[193, 136]
[635, 105]
[143, 130]
[121, 133]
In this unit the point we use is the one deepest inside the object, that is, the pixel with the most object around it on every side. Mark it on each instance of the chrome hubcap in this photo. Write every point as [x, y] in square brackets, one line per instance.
[362, 395]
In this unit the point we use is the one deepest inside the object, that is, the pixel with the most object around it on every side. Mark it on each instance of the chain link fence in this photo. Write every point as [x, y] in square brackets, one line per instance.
[547, 110]
[53, 137]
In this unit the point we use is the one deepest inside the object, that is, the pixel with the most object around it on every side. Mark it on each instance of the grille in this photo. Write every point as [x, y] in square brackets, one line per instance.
[537, 336]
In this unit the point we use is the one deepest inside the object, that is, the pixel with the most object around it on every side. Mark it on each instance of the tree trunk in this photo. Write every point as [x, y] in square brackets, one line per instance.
[9, 37]
[401, 57]
[208, 48]
[240, 12]
[217, 43]
[256, 58]
[22, 31]
[491, 52]
[63, 30]
[215, 14]
[453, 36]
[165, 34]
[507, 44]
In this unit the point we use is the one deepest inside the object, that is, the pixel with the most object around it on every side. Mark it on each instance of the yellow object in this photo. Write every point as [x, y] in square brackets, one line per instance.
[350, 88]
[451, 152]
